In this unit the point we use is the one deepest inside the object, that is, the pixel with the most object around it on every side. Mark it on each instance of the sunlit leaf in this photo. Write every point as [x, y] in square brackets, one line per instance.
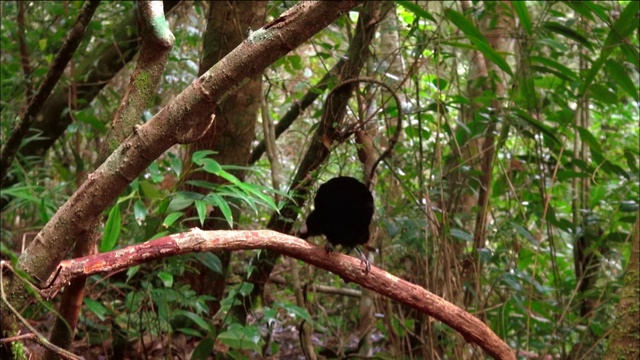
[198, 156]
[520, 8]
[171, 218]
[167, 279]
[416, 9]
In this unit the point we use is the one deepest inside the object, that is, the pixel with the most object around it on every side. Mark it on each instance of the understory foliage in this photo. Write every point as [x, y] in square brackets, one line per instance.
[558, 106]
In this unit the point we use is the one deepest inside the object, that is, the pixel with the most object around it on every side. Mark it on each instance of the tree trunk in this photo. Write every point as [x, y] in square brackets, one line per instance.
[233, 130]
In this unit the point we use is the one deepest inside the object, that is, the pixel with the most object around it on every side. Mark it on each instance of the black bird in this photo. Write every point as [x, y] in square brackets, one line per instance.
[343, 211]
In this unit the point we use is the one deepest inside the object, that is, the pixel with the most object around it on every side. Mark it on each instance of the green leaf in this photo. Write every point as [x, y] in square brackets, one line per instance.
[295, 61]
[477, 39]
[608, 166]
[616, 37]
[619, 74]
[179, 202]
[461, 235]
[524, 233]
[245, 289]
[24, 193]
[631, 157]
[203, 350]
[241, 337]
[568, 32]
[492, 55]
[603, 94]
[198, 156]
[537, 125]
[570, 174]
[111, 229]
[294, 310]
[167, 279]
[589, 139]
[218, 201]
[171, 218]
[176, 164]
[204, 184]
[89, 118]
[140, 211]
[520, 7]
[209, 260]
[256, 191]
[150, 191]
[554, 65]
[459, 45]
[156, 174]
[202, 323]
[629, 206]
[416, 9]
[544, 69]
[191, 332]
[97, 308]
[580, 7]
[132, 271]
[211, 166]
[464, 25]
[159, 235]
[42, 210]
[229, 177]
[201, 209]
[237, 193]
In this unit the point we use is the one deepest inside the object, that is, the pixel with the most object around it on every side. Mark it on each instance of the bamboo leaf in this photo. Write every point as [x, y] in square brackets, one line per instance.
[569, 33]
[619, 74]
[520, 7]
[621, 29]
